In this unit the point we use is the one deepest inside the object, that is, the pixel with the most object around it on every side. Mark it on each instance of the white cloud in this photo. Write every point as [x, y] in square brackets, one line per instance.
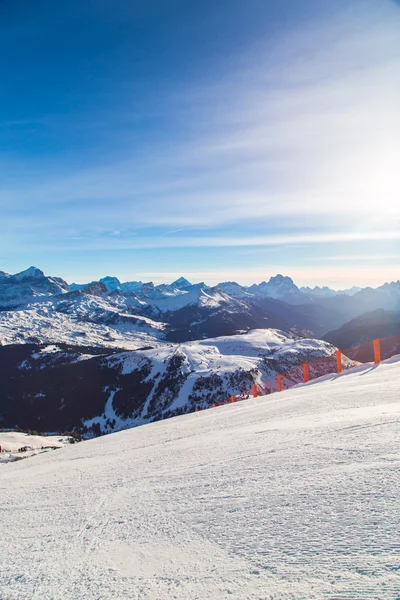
[349, 258]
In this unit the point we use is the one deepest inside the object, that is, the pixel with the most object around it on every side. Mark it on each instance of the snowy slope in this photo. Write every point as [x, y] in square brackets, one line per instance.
[292, 496]
[174, 379]
[87, 322]
[61, 387]
[11, 442]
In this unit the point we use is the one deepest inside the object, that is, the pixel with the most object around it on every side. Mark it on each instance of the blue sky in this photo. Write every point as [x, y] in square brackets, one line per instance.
[225, 140]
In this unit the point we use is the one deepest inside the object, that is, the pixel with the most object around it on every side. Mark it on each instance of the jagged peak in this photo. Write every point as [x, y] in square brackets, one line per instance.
[30, 273]
[109, 278]
[281, 279]
[111, 283]
[182, 282]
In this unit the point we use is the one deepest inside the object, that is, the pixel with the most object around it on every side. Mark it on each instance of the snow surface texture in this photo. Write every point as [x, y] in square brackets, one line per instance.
[290, 496]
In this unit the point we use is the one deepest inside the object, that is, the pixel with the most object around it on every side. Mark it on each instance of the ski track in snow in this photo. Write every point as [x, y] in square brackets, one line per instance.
[291, 496]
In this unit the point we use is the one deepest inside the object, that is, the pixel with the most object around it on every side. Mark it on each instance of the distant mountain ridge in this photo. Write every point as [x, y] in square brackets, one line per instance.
[324, 292]
[36, 308]
[279, 287]
[378, 323]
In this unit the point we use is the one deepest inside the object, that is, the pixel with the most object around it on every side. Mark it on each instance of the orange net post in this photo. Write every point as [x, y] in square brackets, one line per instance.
[233, 398]
[377, 352]
[306, 374]
[338, 361]
[279, 378]
[255, 391]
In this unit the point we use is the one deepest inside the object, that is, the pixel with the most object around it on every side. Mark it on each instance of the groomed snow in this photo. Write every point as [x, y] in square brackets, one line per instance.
[290, 496]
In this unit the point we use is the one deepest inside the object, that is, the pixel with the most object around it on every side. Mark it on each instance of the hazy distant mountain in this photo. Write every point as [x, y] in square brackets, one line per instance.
[351, 291]
[379, 323]
[326, 292]
[279, 288]
[368, 299]
[318, 292]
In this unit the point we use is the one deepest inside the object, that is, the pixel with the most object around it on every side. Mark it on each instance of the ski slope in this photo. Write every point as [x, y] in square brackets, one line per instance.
[290, 496]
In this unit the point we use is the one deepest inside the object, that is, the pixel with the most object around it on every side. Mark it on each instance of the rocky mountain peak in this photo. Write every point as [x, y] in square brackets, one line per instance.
[31, 273]
[4, 276]
[181, 283]
[95, 289]
[279, 279]
[111, 283]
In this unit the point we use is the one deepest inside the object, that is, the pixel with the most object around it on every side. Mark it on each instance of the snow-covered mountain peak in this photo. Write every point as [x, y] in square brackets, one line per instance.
[279, 287]
[31, 273]
[211, 298]
[280, 279]
[131, 286]
[282, 284]
[29, 286]
[111, 283]
[181, 283]
[4, 276]
[233, 289]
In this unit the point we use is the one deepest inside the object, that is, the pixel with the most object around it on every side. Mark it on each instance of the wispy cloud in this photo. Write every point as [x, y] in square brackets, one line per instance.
[173, 231]
[359, 257]
[94, 242]
[313, 132]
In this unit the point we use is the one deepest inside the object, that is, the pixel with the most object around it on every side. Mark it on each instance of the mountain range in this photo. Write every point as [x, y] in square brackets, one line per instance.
[106, 355]
[37, 308]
